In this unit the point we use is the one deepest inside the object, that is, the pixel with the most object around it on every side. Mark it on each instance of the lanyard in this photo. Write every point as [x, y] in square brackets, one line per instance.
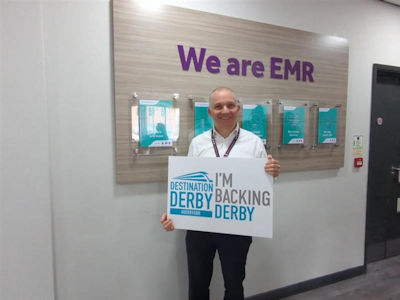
[230, 146]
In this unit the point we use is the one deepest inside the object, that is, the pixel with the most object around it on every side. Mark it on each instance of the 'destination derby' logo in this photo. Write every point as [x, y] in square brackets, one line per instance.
[191, 195]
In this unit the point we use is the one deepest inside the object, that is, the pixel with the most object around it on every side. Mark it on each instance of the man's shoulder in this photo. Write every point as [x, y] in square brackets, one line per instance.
[248, 135]
[253, 143]
[205, 136]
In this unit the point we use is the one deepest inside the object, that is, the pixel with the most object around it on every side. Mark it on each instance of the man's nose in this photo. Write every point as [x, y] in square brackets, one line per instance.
[225, 109]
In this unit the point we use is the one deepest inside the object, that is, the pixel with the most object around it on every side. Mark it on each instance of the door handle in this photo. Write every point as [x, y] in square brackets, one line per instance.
[398, 172]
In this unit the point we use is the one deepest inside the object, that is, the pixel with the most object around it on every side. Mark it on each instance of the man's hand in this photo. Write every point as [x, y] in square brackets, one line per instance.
[272, 166]
[167, 223]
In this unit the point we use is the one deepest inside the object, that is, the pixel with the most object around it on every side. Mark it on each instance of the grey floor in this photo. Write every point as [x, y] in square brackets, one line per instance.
[382, 281]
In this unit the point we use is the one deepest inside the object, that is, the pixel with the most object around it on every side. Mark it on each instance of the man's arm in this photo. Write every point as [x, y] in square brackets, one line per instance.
[272, 166]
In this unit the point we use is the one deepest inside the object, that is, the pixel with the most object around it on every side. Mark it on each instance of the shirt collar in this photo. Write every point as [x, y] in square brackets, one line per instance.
[230, 136]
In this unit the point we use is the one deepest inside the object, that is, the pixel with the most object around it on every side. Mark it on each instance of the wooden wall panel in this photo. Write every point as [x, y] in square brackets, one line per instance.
[146, 60]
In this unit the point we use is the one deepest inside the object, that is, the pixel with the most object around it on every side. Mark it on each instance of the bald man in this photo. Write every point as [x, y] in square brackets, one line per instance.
[226, 139]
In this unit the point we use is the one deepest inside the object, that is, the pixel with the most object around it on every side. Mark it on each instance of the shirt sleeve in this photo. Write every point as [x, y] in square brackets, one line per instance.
[191, 149]
[261, 153]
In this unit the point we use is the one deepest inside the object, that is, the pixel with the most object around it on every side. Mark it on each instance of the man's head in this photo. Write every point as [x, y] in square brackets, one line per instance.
[223, 108]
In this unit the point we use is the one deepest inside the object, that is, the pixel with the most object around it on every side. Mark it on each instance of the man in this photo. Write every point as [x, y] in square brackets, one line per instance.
[225, 139]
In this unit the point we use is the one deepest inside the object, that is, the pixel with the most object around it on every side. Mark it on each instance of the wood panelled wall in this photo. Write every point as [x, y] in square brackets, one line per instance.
[147, 61]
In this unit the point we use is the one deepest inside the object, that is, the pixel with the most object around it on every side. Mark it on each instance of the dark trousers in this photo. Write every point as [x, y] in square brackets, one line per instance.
[232, 251]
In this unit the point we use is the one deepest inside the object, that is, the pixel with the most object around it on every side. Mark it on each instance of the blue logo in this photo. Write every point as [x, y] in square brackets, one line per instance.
[191, 194]
[196, 176]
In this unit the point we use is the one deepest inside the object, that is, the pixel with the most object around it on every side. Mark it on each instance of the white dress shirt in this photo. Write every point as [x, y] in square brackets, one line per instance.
[248, 145]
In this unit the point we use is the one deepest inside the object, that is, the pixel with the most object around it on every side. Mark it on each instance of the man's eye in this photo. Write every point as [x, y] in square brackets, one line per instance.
[230, 106]
[217, 107]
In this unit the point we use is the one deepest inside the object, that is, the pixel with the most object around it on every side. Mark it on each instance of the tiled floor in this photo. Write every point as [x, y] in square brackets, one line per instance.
[381, 282]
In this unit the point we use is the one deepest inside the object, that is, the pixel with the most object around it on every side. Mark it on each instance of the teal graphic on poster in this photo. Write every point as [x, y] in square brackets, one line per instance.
[327, 125]
[158, 123]
[202, 120]
[255, 120]
[293, 124]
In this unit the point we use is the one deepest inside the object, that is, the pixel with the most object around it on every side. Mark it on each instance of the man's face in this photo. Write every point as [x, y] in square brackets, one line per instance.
[223, 109]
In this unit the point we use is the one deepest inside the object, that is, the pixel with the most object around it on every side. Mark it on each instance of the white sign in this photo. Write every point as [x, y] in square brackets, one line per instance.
[358, 145]
[225, 195]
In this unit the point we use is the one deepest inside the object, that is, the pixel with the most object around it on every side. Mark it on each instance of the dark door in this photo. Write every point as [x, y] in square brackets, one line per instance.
[383, 217]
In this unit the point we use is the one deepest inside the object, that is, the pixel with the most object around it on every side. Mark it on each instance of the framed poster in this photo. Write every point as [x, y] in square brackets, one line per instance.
[255, 120]
[293, 125]
[202, 120]
[158, 123]
[327, 125]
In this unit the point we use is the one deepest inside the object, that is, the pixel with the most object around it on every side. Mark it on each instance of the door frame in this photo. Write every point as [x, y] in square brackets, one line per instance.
[375, 69]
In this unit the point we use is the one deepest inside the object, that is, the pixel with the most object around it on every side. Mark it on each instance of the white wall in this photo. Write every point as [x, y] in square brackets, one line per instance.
[57, 161]
[26, 260]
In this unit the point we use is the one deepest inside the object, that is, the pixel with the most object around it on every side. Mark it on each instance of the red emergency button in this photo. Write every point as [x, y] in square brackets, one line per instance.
[358, 162]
